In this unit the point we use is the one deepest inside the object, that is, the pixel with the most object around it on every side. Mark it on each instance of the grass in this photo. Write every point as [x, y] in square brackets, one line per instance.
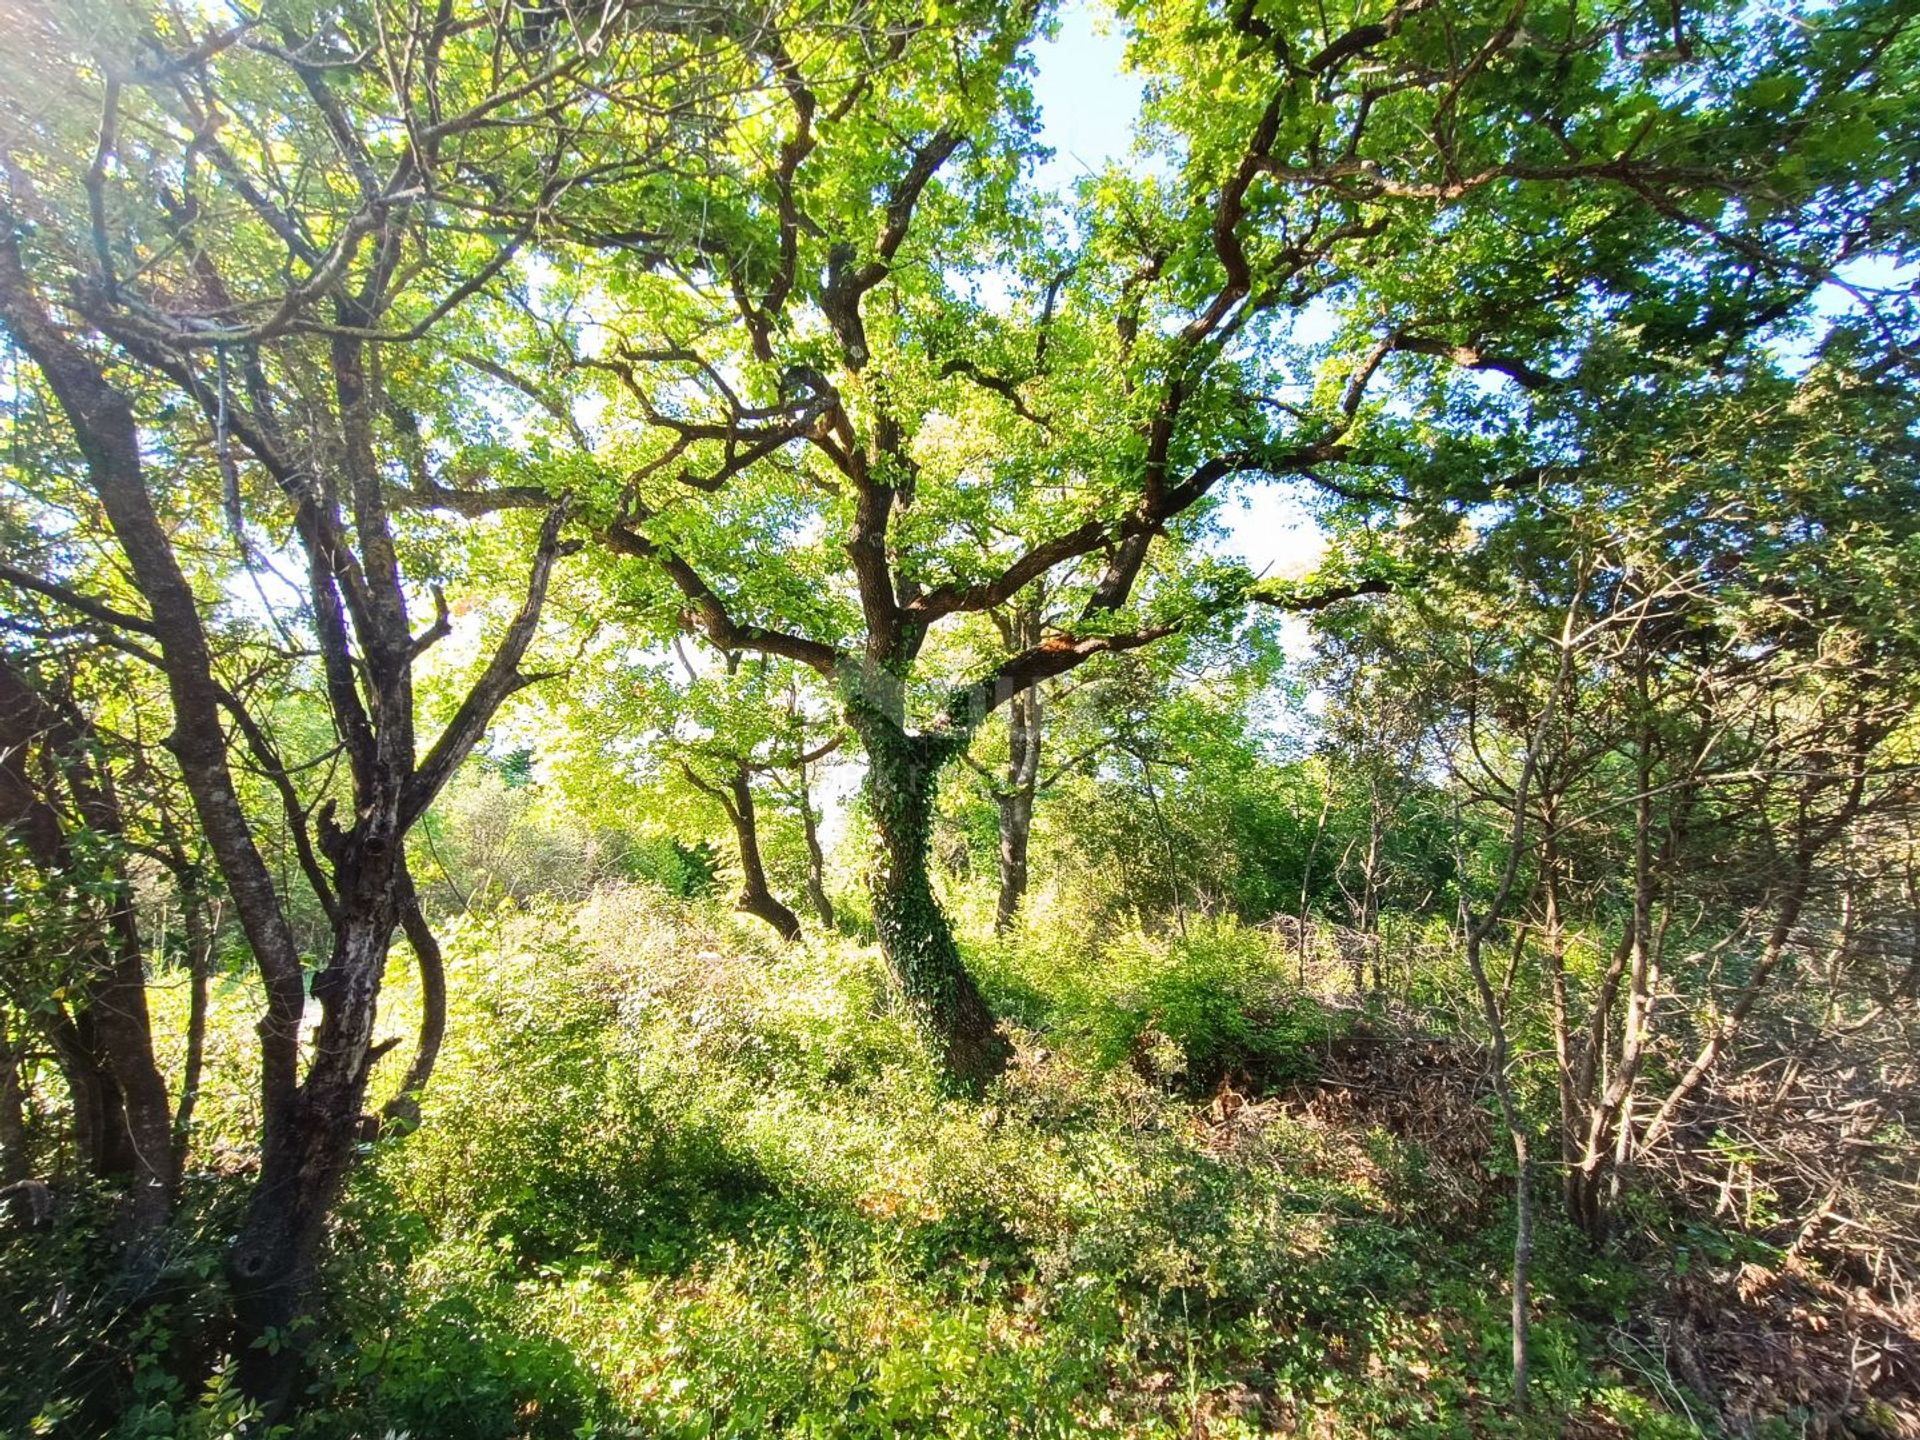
[672, 1183]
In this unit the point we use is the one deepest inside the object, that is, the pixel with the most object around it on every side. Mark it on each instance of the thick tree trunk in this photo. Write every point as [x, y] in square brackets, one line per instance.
[903, 772]
[99, 1117]
[122, 1118]
[120, 1007]
[763, 906]
[305, 1156]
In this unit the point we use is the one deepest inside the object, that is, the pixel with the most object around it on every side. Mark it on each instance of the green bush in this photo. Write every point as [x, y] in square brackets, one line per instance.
[1211, 1003]
[684, 870]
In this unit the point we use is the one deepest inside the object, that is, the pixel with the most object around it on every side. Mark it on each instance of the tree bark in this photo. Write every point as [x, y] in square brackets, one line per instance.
[816, 857]
[1522, 1157]
[16, 1159]
[1016, 832]
[1025, 732]
[123, 1119]
[903, 772]
[1477, 932]
[103, 424]
[200, 935]
[310, 1124]
[1553, 933]
[306, 1156]
[756, 895]
[1366, 910]
[1642, 980]
[120, 1004]
[1015, 802]
[402, 1112]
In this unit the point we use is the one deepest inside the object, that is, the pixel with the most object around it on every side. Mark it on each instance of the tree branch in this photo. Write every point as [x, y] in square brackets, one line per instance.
[73, 600]
[496, 682]
[708, 612]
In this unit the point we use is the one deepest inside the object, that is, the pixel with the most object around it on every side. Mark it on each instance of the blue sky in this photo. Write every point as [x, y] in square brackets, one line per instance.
[1087, 103]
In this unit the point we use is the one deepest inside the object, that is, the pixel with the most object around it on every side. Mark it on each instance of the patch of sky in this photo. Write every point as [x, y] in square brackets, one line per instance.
[1861, 291]
[1089, 106]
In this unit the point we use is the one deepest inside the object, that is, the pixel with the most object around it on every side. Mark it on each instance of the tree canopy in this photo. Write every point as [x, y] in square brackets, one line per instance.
[711, 402]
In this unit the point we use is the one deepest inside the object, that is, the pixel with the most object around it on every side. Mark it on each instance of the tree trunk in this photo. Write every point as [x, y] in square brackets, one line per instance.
[1522, 1162]
[16, 1161]
[1024, 735]
[99, 1118]
[903, 772]
[305, 1156]
[103, 425]
[756, 896]
[816, 858]
[122, 1117]
[402, 1112]
[1477, 931]
[1553, 931]
[120, 1005]
[1016, 829]
[1021, 629]
[1304, 932]
[1595, 1181]
[1642, 974]
[200, 935]
[310, 1125]
[1366, 911]
[1590, 1080]
[1522, 1263]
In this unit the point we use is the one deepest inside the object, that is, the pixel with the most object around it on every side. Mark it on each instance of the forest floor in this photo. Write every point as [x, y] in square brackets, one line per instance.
[672, 1183]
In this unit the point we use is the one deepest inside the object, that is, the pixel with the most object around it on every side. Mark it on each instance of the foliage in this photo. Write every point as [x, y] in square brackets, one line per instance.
[671, 1184]
[491, 475]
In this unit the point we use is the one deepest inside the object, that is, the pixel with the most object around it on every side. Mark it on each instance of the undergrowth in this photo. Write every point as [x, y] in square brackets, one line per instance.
[673, 1182]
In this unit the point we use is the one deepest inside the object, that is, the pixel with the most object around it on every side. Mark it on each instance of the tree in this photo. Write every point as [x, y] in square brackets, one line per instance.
[390, 293]
[277, 309]
[1761, 697]
[742, 723]
[73, 958]
[1677, 677]
[820, 389]
[1013, 797]
[1041, 719]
